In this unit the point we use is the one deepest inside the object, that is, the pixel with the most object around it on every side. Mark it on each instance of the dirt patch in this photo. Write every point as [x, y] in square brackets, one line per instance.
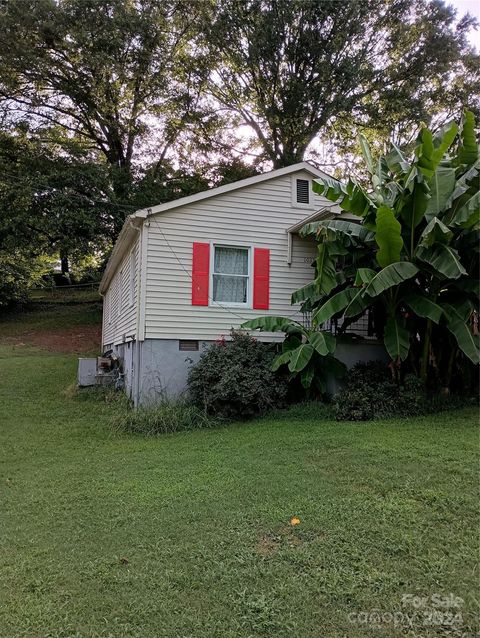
[76, 339]
[285, 537]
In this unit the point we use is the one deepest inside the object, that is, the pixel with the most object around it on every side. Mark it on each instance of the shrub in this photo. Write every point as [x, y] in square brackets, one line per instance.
[163, 418]
[234, 379]
[370, 394]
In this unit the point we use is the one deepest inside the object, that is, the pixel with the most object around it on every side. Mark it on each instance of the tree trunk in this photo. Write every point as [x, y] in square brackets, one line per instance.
[426, 352]
[64, 264]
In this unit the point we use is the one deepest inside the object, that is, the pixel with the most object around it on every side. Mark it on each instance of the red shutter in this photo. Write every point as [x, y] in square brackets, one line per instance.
[200, 273]
[261, 278]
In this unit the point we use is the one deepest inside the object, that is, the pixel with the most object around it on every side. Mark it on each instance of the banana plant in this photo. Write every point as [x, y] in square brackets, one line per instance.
[308, 354]
[414, 252]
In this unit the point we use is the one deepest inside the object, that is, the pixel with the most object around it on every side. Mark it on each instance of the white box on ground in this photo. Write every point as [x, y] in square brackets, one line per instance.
[87, 370]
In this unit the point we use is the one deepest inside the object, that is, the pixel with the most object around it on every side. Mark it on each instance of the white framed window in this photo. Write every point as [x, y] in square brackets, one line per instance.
[133, 277]
[231, 269]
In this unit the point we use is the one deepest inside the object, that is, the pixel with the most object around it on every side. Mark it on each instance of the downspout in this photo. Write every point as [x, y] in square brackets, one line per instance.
[140, 332]
[136, 389]
[103, 322]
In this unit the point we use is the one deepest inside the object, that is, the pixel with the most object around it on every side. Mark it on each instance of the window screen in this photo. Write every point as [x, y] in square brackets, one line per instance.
[230, 274]
[302, 191]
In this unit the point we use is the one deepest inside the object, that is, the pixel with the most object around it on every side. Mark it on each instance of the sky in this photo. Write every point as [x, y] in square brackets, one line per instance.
[473, 8]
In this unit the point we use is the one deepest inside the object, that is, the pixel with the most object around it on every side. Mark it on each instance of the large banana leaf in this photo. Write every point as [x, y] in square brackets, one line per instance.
[281, 360]
[396, 339]
[291, 342]
[335, 305]
[307, 375]
[443, 259]
[463, 185]
[350, 197]
[364, 276]
[367, 155]
[424, 307]
[414, 209]
[358, 304]
[300, 357]
[326, 275]
[309, 291]
[274, 324]
[388, 236]
[432, 149]
[435, 232]
[329, 187]
[469, 214]
[467, 341]
[338, 227]
[442, 186]
[396, 161]
[392, 275]
[323, 342]
[468, 151]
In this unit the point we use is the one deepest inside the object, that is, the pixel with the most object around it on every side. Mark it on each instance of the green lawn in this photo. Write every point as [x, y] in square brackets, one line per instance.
[188, 535]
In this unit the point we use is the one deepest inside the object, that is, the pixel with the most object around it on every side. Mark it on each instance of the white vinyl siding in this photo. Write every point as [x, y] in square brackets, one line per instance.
[120, 300]
[254, 216]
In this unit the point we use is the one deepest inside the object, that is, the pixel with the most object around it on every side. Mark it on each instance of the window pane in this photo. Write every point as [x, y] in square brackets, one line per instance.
[231, 261]
[230, 289]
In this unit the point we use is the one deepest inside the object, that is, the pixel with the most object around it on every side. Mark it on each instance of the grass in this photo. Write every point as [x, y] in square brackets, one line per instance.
[188, 535]
[47, 316]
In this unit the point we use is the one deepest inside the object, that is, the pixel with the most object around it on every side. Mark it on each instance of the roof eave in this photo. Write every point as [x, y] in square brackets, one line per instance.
[130, 228]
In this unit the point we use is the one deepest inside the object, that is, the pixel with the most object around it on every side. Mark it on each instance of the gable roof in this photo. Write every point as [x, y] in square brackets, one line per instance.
[221, 190]
[134, 221]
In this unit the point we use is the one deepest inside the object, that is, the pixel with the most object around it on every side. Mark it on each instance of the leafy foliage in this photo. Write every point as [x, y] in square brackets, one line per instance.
[17, 275]
[423, 213]
[370, 393]
[308, 354]
[234, 379]
[291, 69]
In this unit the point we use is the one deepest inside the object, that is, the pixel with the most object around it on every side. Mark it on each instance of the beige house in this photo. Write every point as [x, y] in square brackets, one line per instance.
[182, 274]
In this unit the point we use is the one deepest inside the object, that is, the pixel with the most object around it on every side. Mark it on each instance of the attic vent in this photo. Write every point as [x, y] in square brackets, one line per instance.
[188, 345]
[302, 191]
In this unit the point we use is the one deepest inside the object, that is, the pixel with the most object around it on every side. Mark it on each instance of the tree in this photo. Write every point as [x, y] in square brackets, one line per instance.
[51, 202]
[291, 69]
[106, 72]
[414, 259]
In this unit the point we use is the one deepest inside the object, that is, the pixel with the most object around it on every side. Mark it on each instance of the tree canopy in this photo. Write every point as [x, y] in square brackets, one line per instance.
[292, 69]
[110, 105]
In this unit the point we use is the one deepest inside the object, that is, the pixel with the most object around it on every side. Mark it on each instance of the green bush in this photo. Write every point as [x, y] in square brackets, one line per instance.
[18, 274]
[234, 379]
[370, 394]
[163, 418]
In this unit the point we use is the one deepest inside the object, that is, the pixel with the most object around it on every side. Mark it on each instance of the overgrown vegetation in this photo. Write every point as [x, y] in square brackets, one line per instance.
[234, 379]
[307, 353]
[370, 393]
[164, 417]
[413, 262]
